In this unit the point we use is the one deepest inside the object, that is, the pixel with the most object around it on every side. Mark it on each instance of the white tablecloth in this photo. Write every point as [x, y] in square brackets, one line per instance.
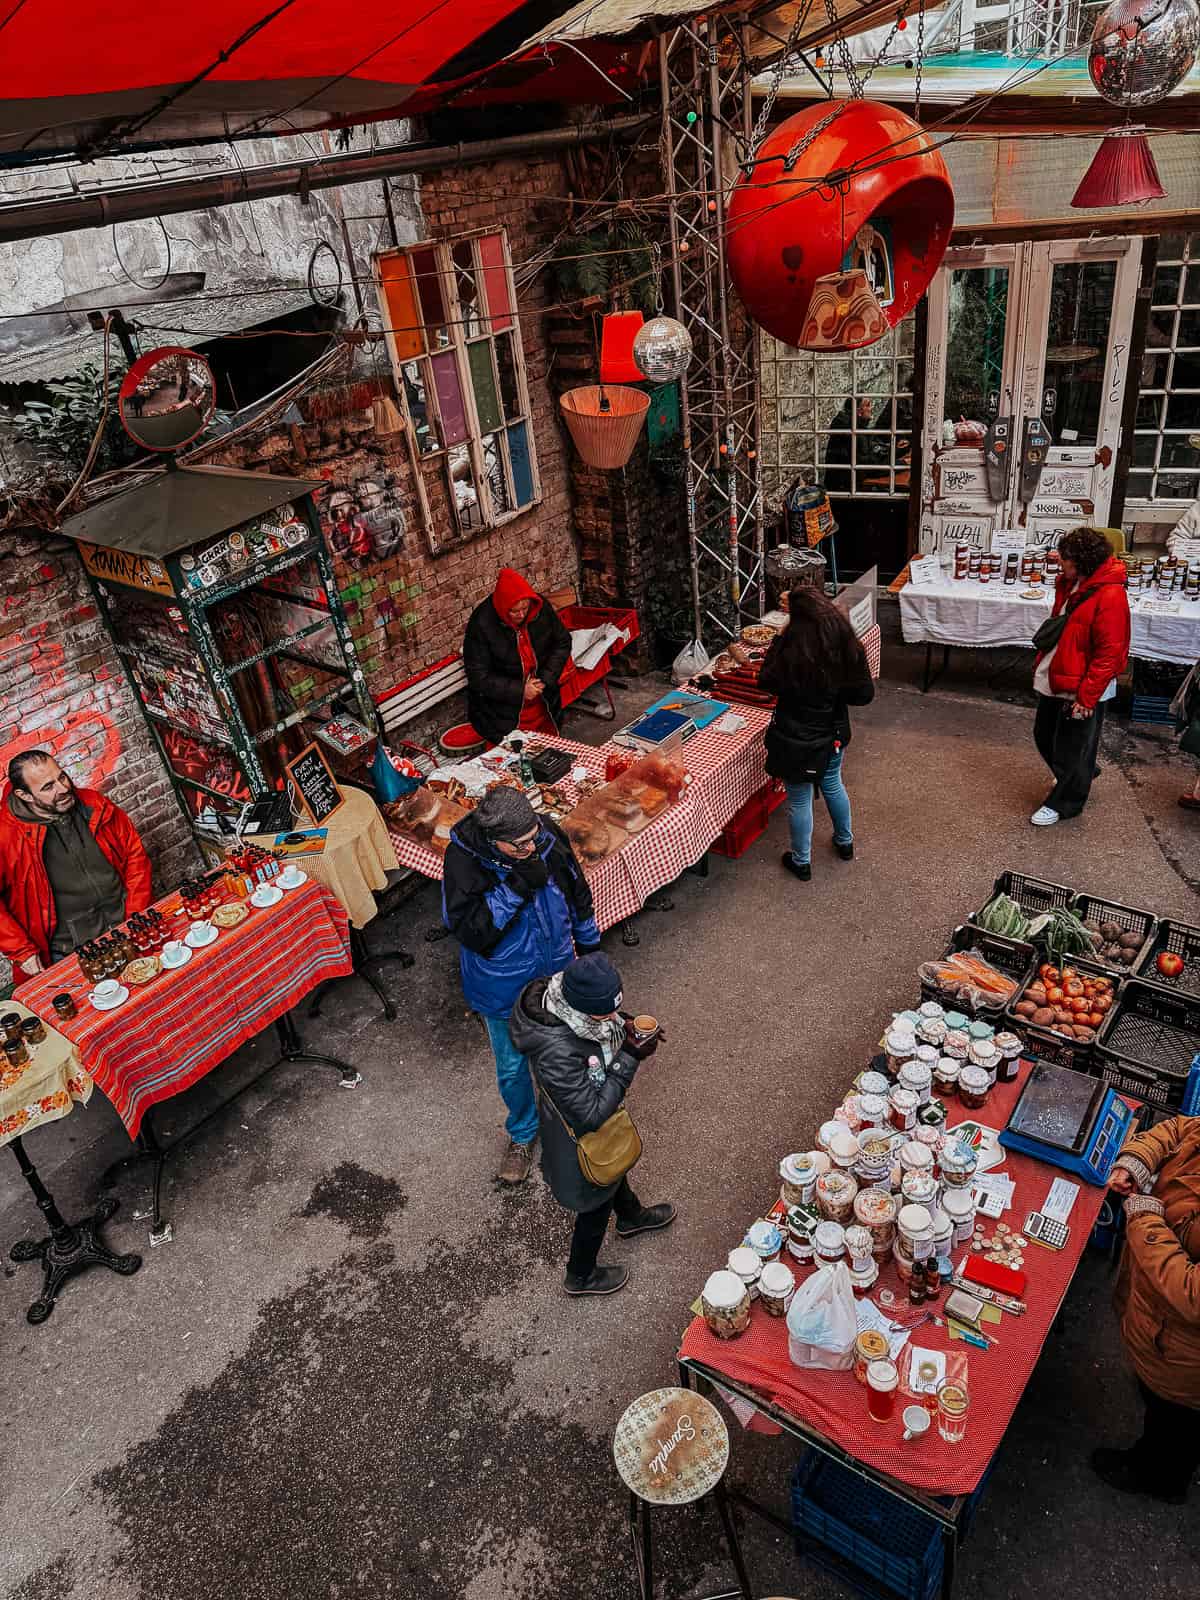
[978, 615]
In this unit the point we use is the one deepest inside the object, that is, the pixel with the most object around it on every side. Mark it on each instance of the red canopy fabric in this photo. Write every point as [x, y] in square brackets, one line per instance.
[105, 77]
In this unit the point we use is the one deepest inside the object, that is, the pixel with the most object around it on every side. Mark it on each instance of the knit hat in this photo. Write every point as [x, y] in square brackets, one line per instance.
[592, 985]
[505, 814]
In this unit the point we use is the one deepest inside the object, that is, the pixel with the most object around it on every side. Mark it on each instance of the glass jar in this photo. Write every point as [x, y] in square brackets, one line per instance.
[956, 1020]
[33, 1030]
[943, 1232]
[64, 1006]
[870, 1345]
[820, 1161]
[826, 1132]
[875, 1210]
[1009, 1047]
[848, 1113]
[932, 1031]
[15, 1053]
[859, 1246]
[725, 1305]
[973, 1086]
[956, 1044]
[900, 1045]
[919, 1189]
[799, 1180]
[917, 1075]
[799, 1244]
[864, 1280]
[748, 1268]
[931, 1138]
[959, 1206]
[915, 1157]
[872, 1083]
[958, 1162]
[829, 1243]
[945, 1077]
[10, 1026]
[843, 1150]
[983, 1053]
[930, 1009]
[914, 1232]
[980, 1030]
[775, 1288]
[902, 1108]
[835, 1196]
[874, 1109]
[765, 1239]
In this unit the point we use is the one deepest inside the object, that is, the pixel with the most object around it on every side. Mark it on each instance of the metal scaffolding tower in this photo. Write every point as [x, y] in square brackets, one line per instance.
[706, 110]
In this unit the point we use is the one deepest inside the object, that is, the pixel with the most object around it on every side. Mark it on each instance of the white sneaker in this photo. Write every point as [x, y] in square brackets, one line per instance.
[1044, 817]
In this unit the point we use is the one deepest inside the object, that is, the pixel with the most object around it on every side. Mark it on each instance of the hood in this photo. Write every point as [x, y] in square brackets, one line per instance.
[511, 588]
[530, 1022]
[85, 803]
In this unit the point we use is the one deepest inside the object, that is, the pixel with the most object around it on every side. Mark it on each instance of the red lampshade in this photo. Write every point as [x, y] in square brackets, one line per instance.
[617, 333]
[1122, 172]
[789, 226]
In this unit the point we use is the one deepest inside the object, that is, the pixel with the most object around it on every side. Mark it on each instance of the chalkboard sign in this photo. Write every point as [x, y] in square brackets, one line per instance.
[314, 785]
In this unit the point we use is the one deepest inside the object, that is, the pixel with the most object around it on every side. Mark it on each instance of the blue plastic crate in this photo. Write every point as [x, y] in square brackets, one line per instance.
[1154, 708]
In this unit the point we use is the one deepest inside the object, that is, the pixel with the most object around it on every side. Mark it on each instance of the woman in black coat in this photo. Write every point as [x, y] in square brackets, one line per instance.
[583, 1059]
[816, 668]
[514, 652]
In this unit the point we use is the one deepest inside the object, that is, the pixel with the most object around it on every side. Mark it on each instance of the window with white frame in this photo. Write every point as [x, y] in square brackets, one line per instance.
[845, 418]
[449, 312]
[1166, 437]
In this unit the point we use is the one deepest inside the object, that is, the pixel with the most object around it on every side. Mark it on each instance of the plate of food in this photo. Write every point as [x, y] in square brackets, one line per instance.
[229, 916]
[141, 969]
[757, 634]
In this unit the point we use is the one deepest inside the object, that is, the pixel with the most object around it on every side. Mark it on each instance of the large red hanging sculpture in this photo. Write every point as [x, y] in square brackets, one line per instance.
[851, 193]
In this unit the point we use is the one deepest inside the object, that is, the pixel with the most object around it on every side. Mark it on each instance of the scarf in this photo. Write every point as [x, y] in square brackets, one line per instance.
[607, 1032]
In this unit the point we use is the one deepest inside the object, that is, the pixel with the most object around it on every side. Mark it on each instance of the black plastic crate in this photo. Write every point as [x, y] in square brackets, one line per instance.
[1149, 1041]
[1013, 957]
[1045, 1043]
[1033, 895]
[1095, 908]
[1181, 939]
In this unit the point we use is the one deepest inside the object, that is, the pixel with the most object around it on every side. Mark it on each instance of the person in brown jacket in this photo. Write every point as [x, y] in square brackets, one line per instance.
[1158, 1302]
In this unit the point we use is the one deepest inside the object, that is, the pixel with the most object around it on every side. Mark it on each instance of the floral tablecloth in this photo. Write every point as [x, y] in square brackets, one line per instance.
[46, 1087]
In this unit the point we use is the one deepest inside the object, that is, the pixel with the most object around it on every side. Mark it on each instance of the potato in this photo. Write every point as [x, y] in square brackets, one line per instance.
[1130, 941]
[1043, 1016]
[1111, 930]
[1026, 1008]
[1037, 993]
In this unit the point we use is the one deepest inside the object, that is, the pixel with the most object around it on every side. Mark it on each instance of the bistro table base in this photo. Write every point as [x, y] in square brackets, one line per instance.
[364, 959]
[148, 1148]
[70, 1247]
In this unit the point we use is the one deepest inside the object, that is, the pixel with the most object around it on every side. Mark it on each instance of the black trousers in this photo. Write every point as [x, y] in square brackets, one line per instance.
[590, 1228]
[1168, 1453]
[1068, 745]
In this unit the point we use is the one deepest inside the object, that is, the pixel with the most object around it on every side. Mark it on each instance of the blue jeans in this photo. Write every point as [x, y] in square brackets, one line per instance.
[515, 1083]
[800, 810]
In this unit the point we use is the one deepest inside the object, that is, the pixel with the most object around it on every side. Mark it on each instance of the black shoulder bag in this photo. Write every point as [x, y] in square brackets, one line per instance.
[1052, 630]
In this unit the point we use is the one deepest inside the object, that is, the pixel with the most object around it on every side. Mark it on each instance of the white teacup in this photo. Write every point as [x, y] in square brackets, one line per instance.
[107, 989]
[916, 1422]
[174, 949]
[200, 930]
[290, 876]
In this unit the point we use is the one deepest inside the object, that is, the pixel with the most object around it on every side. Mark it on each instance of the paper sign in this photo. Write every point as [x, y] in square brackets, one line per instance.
[924, 572]
[1008, 541]
[1060, 1199]
[861, 615]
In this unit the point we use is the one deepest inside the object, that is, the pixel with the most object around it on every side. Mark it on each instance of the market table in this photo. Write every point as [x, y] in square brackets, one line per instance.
[176, 1029]
[727, 770]
[43, 1089]
[828, 1410]
[974, 615]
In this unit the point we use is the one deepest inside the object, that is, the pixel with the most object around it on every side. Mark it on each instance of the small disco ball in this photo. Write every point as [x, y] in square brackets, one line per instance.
[1141, 49]
[662, 349]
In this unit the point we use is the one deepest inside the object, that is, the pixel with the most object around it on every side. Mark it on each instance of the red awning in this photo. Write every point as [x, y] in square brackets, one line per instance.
[95, 78]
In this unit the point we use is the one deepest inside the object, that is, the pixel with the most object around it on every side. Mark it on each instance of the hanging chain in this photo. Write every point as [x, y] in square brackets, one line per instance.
[920, 59]
[758, 132]
[843, 50]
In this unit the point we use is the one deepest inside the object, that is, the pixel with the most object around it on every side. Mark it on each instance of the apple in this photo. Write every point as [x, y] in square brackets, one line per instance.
[1169, 964]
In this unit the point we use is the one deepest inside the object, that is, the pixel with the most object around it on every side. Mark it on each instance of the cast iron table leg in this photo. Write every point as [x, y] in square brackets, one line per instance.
[643, 1555]
[720, 1495]
[932, 677]
[364, 958]
[70, 1248]
[293, 1048]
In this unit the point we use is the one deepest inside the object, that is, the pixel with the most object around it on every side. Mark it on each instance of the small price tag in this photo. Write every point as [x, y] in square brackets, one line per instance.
[1060, 1199]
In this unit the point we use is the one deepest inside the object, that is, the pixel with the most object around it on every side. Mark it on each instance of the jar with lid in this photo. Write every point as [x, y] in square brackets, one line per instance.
[915, 1157]
[829, 1243]
[914, 1232]
[864, 1280]
[932, 1030]
[875, 1210]
[799, 1244]
[820, 1161]
[958, 1162]
[929, 1009]
[870, 1345]
[835, 1196]
[959, 1206]
[980, 1030]
[973, 1086]
[15, 1053]
[843, 1150]
[725, 1304]
[1009, 1047]
[931, 1138]
[956, 1020]
[983, 1053]
[900, 1045]
[902, 1108]
[870, 1082]
[859, 1246]
[10, 1026]
[919, 1189]
[956, 1044]
[874, 1162]
[798, 1180]
[945, 1077]
[917, 1075]
[943, 1231]
[748, 1268]
[848, 1113]
[775, 1288]
[826, 1132]
[874, 1109]
[765, 1239]
[33, 1030]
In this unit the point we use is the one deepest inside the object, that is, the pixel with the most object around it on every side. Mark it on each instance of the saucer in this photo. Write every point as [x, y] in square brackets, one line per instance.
[282, 880]
[185, 955]
[266, 895]
[118, 999]
[194, 943]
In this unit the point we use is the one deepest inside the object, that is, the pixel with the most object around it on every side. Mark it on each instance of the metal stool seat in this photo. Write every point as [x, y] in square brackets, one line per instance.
[461, 740]
[671, 1448]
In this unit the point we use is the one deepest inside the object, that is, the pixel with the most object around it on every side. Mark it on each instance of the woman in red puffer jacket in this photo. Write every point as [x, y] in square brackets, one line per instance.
[1075, 680]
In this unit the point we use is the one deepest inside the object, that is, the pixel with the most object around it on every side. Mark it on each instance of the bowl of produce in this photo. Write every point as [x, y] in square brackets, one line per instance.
[1071, 1001]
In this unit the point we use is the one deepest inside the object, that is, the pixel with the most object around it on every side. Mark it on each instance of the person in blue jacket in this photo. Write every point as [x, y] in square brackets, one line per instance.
[516, 899]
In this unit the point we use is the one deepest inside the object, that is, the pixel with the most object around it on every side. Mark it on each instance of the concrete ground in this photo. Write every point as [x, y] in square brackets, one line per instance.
[353, 1372]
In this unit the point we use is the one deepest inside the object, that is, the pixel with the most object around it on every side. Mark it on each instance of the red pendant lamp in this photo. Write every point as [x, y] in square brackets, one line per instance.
[1122, 173]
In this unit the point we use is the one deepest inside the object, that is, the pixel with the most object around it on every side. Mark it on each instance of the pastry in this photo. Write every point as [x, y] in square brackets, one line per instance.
[229, 916]
[141, 969]
[653, 801]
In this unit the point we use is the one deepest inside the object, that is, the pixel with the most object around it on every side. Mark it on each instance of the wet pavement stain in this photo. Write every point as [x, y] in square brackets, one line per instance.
[361, 1200]
[361, 1446]
[50, 1582]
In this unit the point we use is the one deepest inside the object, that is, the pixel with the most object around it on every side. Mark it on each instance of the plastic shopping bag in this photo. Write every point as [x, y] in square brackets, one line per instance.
[821, 1321]
[692, 659]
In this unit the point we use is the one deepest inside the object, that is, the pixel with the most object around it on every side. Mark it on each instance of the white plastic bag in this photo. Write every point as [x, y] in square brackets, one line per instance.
[693, 658]
[821, 1321]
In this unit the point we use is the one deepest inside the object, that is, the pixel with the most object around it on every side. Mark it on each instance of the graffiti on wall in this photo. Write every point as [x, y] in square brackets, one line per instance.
[83, 737]
[364, 520]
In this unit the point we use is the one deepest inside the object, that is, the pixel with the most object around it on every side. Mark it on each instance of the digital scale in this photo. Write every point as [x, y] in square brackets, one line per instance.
[1070, 1121]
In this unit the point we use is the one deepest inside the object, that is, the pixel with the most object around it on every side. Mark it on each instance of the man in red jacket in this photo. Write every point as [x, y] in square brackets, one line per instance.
[1076, 679]
[71, 864]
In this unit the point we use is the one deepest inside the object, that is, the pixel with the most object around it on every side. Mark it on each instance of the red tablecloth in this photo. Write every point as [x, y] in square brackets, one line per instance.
[727, 769]
[184, 1023]
[835, 1404]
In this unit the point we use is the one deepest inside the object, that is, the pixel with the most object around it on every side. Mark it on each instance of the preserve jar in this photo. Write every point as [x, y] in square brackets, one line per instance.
[726, 1305]
[765, 1239]
[1009, 1047]
[943, 1232]
[799, 1245]
[829, 1243]
[956, 1044]
[848, 1113]
[959, 1206]
[983, 1053]
[870, 1082]
[945, 1076]
[873, 1109]
[902, 1109]
[900, 1045]
[748, 1268]
[862, 1282]
[775, 1288]
[875, 1210]
[914, 1235]
[859, 1246]
[917, 1075]
[980, 1030]
[973, 1086]
[843, 1150]
[799, 1180]
[956, 1019]
[835, 1196]
[931, 1138]
[826, 1132]
[929, 1009]
[932, 1030]
[958, 1162]
[915, 1157]
[919, 1189]
[870, 1345]
[820, 1161]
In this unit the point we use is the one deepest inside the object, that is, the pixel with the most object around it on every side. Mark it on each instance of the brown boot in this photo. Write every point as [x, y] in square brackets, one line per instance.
[517, 1163]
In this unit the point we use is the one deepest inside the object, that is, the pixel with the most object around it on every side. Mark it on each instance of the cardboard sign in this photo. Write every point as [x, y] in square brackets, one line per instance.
[924, 572]
[314, 785]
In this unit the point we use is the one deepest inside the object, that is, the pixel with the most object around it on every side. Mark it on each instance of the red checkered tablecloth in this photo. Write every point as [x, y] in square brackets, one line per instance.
[727, 770]
[834, 1404]
[184, 1023]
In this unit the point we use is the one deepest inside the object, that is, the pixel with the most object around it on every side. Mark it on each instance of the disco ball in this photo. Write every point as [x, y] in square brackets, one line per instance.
[662, 349]
[1141, 49]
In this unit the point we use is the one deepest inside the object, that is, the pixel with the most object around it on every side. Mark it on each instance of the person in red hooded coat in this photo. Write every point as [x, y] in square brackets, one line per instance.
[1077, 677]
[514, 652]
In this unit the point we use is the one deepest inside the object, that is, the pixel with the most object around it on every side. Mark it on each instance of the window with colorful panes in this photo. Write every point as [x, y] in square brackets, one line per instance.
[449, 313]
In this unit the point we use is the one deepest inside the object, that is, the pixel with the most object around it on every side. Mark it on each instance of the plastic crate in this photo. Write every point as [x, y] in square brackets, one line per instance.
[1095, 908]
[1182, 940]
[1152, 708]
[1045, 1043]
[893, 1544]
[1011, 956]
[750, 822]
[1149, 1041]
[1033, 895]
